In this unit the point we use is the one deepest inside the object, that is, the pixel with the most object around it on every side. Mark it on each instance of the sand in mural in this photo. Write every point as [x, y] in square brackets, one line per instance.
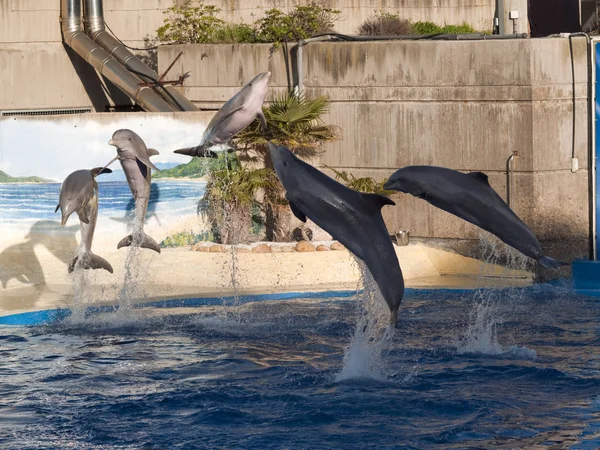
[36, 155]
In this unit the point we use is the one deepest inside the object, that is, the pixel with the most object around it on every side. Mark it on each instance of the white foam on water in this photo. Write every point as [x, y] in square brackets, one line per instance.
[372, 336]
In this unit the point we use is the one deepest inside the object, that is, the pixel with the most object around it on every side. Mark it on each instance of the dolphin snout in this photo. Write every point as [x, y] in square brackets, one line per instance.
[111, 142]
[64, 219]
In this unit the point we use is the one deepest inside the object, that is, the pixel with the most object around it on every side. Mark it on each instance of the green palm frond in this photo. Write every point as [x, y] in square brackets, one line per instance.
[294, 121]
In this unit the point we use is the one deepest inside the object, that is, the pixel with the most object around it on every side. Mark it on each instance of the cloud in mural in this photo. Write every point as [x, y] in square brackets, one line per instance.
[55, 148]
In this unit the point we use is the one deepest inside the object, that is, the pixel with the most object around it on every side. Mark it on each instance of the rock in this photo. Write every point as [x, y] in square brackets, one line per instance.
[305, 246]
[261, 248]
[242, 250]
[322, 248]
[217, 248]
[201, 248]
[302, 234]
[337, 246]
[286, 248]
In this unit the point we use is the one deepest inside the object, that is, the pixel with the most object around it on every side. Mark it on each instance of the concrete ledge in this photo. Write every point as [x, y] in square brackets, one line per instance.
[181, 273]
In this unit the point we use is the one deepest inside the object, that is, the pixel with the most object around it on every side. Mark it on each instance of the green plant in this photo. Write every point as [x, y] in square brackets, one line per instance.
[235, 33]
[425, 28]
[230, 203]
[364, 184]
[184, 239]
[385, 24]
[296, 122]
[186, 23]
[463, 28]
[303, 22]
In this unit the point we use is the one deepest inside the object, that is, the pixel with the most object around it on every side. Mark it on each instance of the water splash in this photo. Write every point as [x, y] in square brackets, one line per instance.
[481, 336]
[372, 336]
[80, 280]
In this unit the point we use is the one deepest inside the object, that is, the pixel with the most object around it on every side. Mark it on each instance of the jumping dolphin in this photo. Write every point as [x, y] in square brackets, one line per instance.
[235, 115]
[79, 192]
[470, 197]
[351, 217]
[135, 160]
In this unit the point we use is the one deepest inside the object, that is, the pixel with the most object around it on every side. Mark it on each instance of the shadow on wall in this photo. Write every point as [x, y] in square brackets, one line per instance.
[20, 262]
[99, 93]
[150, 212]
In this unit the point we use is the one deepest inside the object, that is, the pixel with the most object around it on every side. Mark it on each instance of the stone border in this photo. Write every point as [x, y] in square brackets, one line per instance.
[270, 247]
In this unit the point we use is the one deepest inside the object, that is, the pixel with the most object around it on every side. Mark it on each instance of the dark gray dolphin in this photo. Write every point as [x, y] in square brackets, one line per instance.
[135, 160]
[79, 192]
[351, 217]
[470, 197]
[235, 115]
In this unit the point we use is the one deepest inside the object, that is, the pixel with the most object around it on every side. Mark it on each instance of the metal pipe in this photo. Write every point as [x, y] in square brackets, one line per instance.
[348, 38]
[95, 28]
[510, 178]
[73, 36]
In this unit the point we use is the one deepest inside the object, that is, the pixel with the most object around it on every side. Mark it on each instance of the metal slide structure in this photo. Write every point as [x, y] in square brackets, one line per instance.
[114, 61]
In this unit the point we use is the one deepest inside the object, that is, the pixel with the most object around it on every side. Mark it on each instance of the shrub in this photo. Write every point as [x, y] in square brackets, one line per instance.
[235, 33]
[463, 28]
[385, 24]
[302, 22]
[424, 28]
[184, 239]
[190, 24]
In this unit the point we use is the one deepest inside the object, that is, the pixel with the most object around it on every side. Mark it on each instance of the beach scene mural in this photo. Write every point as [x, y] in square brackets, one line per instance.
[37, 154]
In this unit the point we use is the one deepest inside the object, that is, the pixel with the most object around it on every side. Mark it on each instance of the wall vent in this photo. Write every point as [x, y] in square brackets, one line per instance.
[44, 112]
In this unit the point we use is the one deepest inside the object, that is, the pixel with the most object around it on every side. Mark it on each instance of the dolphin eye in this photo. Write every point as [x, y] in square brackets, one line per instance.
[129, 138]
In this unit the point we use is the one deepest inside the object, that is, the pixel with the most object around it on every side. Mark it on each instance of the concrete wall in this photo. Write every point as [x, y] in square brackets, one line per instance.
[463, 105]
[37, 72]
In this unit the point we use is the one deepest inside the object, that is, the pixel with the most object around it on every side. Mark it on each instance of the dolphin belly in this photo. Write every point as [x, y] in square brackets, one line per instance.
[139, 179]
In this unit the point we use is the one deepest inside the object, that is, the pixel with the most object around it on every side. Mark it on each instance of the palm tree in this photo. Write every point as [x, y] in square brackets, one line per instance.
[230, 199]
[294, 121]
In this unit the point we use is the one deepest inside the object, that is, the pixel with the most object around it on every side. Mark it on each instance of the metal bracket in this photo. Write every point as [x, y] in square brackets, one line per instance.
[160, 81]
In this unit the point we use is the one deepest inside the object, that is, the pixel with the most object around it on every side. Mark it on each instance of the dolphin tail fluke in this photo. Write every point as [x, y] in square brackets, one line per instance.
[550, 263]
[189, 151]
[201, 151]
[145, 242]
[90, 261]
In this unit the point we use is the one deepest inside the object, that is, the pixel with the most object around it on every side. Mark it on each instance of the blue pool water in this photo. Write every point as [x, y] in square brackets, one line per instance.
[512, 368]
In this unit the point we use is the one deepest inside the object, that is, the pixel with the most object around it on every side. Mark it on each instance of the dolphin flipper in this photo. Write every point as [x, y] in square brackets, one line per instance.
[146, 161]
[550, 263]
[90, 261]
[146, 242]
[82, 215]
[153, 152]
[263, 120]
[299, 214]
[100, 170]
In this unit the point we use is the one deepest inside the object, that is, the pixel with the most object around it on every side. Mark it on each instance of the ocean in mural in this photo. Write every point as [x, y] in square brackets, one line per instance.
[36, 201]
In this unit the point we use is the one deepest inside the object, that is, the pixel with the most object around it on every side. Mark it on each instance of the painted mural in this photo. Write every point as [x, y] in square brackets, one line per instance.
[37, 154]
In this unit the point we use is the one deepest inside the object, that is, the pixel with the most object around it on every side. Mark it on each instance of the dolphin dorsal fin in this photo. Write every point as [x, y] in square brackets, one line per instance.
[379, 201]
[153, 152]
[480, 176]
